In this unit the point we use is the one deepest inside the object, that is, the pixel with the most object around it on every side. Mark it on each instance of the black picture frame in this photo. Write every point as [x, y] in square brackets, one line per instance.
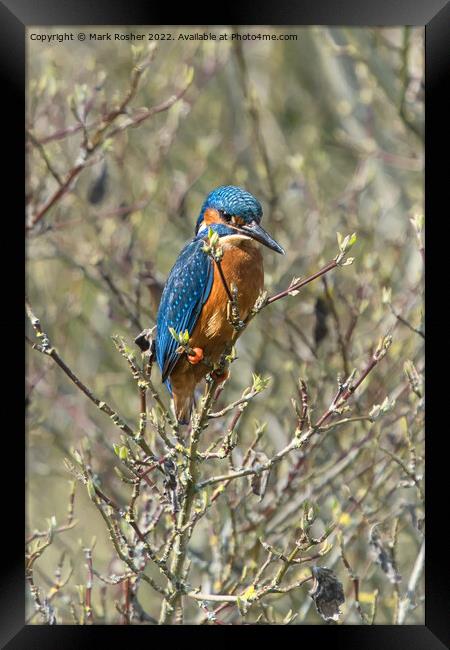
[15, 15]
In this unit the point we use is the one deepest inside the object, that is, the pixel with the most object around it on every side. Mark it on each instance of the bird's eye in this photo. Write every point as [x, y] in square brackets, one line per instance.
[224, 215]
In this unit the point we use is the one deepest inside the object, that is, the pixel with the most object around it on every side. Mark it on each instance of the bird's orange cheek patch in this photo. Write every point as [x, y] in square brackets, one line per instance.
[196, 357]
[211, 216]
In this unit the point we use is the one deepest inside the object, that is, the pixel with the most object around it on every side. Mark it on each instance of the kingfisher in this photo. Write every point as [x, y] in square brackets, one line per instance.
[196, 295]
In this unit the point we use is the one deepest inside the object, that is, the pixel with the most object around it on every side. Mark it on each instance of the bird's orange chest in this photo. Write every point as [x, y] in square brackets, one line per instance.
[242, 265]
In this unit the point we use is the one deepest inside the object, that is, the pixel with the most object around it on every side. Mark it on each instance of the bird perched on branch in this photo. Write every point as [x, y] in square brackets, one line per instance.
[210, 291]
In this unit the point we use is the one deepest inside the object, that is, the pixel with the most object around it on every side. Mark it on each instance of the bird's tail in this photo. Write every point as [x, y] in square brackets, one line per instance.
[182, 383]
[183, 407]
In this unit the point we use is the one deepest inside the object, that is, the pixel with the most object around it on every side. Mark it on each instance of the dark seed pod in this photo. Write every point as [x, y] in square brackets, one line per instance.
[327, 593]
[320, 327]
[98, 187]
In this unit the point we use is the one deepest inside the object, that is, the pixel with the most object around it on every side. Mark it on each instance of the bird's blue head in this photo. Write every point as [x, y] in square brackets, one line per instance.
[239, 211]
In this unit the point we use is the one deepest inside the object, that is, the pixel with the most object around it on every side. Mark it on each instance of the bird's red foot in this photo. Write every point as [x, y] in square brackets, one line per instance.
[220, 376]
[196, 357]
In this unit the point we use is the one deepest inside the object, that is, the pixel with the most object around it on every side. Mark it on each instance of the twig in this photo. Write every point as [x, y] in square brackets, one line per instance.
[299, 285]
[59, 193]
[89, 146]
[179, 553]
[340, 337]
[253, 111]
[345, 391]
[45, 348]
[408, 473]
[40, 147]
[405, 322]
[354, 578]
[89, 584]
[120, 299]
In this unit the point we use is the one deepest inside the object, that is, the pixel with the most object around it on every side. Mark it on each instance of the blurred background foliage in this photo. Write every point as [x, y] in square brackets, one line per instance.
[327, 131]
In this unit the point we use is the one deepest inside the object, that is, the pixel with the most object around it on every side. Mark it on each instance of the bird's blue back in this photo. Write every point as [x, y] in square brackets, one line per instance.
[187, 289]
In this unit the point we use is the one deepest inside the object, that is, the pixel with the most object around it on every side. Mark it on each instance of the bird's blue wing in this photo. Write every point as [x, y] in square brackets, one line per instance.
[186, 291]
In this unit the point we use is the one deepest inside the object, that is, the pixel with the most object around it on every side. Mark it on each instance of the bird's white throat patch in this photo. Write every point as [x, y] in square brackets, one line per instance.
[238, 240]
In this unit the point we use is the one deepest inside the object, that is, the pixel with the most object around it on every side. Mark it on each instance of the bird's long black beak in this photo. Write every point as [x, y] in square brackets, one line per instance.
[255, 231]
